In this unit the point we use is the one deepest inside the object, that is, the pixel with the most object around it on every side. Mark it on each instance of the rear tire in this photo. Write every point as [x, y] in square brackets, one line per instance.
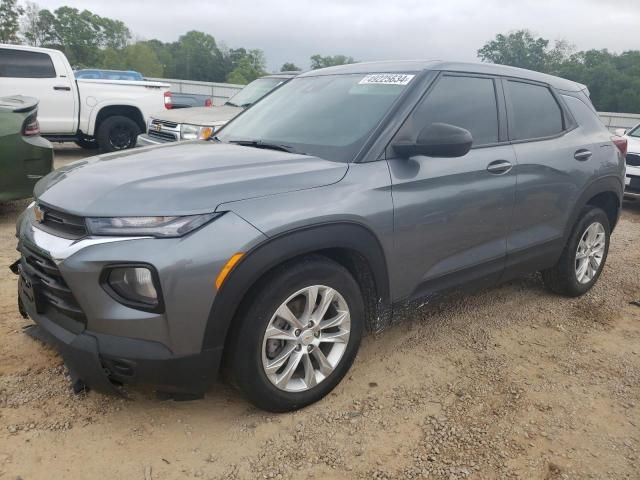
[584, 256]
[259, 362]
[117, 133]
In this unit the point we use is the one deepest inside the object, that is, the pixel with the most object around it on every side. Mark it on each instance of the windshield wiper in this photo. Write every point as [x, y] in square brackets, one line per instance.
[231, 104]
[265, 145]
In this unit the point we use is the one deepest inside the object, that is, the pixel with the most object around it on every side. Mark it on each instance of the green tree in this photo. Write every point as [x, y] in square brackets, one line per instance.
[37, 27]
[164, 54]
[318, 61]
[113, 33]
[248, 67]
[197, 57]
[518, 49]
[10, 13]
[138, 56]
[290, 67]
[613, 79]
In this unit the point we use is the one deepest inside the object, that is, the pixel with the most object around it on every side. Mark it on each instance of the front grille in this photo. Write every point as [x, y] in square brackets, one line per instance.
[61, 224]
[163, 135]
[53, 291]
[633, 159]
[166, 123]
[164, 130]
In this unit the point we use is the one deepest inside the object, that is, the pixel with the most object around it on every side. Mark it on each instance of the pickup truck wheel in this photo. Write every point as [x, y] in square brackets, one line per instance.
[584, 256]
[87, 143]
[117, 133]
[298, 336]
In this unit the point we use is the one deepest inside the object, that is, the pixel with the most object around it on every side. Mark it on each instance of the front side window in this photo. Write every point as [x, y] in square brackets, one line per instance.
[329, 116]
[466, 102]
[534, 112]
[24, 64]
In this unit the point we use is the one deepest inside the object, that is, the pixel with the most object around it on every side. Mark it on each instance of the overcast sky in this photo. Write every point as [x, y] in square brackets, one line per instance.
[293, 30]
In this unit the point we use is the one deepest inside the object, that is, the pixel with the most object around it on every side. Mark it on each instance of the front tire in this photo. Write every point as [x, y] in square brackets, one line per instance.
[584, 256]
[298, 335]
[117, 133]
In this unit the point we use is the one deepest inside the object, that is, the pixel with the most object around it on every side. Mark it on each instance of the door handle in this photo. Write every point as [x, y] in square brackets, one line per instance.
[583, 155]
[498, 167]
[62, 87]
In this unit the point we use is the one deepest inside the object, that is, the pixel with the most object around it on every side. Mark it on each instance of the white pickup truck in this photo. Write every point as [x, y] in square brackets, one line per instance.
[105, 114]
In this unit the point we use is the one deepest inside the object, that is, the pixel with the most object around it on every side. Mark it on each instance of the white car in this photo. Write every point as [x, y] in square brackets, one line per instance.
[632, 180]
[105, 114]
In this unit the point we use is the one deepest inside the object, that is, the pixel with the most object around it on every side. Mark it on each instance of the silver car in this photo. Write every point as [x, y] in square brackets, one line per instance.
[325, 211]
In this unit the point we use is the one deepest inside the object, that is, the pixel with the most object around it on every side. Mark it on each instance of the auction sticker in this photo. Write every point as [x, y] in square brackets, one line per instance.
[386, 79]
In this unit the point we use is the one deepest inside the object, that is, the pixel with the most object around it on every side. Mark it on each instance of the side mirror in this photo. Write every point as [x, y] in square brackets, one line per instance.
[438, 140]
[620, 132]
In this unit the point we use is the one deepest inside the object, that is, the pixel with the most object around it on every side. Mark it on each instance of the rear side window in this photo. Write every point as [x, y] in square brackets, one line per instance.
[584, 115]
[23, 64]
[467, 102]
[535, 113]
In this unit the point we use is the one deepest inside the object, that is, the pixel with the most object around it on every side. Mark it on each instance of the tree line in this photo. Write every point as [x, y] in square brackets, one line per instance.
[613, 79]
[92, 41]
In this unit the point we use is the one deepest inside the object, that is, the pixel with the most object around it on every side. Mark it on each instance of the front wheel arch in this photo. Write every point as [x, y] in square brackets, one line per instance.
[352, 245]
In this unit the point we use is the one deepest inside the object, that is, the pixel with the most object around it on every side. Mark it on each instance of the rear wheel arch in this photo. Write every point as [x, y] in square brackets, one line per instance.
[604, 193]
[128, 111]
[351, 245]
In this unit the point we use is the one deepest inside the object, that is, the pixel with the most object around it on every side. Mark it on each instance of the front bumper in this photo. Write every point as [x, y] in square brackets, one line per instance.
[103, 361]
[632, 182]
[104, 341]
[145, 140]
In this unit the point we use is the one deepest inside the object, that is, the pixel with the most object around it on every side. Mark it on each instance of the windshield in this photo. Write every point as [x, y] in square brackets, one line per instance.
[328, 116]
[635, 132]
[254, 91]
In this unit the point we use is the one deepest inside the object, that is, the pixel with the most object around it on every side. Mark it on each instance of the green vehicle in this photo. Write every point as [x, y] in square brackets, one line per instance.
[25, 157]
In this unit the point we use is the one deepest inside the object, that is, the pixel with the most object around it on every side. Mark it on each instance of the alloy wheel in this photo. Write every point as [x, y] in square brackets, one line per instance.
[306, 338]
[590, 252]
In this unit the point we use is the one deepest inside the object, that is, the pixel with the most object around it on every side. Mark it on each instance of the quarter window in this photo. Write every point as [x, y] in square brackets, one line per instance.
[467, 102]
[535, 113]
[24, 64]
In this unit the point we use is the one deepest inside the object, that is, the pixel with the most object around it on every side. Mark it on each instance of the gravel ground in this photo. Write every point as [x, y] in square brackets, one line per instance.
[510, 383]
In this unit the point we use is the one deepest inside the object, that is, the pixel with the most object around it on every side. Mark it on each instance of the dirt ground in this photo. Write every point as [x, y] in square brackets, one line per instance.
[510, 383]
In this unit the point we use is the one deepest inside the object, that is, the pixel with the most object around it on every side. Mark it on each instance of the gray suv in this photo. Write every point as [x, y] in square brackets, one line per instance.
[318, 214]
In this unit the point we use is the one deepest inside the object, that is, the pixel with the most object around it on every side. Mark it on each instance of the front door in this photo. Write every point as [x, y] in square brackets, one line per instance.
[452, 215]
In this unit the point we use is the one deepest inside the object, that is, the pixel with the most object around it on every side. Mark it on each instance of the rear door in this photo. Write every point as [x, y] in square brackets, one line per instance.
[451, 215]
[555, 160]
[40, 75]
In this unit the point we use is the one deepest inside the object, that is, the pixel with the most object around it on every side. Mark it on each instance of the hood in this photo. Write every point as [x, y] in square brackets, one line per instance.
[180, 179]
[202, 116]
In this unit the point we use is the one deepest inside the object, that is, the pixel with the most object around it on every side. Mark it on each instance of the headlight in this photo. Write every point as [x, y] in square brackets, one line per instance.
[194, 132]
[163, 227]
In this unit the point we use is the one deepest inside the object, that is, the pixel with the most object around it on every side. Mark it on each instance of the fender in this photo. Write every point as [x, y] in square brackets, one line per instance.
[286, 246]
[611, 183]
[90, 120]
